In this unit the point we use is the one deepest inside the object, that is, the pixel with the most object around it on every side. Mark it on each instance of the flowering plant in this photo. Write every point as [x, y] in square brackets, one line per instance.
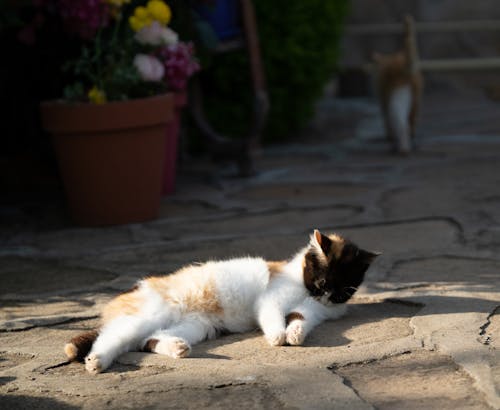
[129, 51]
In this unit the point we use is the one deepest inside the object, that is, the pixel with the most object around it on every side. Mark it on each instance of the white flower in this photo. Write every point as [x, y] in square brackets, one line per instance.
[157, 35]
[150, 68]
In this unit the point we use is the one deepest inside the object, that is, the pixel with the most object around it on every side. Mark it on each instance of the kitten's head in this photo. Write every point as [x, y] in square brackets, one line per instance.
[334, 267]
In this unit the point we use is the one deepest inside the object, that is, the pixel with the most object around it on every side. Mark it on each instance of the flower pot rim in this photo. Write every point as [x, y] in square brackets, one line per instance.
[62, 101]
[63, 117]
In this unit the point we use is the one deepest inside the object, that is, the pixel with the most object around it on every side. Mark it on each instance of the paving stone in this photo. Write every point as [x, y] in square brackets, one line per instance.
[298, 194]
[8, 360]
[392, 239]
[289, 221]
[418, 380]
[23, 314]
[406, 237]
[186, 209]
[27, 276]
[468, 273]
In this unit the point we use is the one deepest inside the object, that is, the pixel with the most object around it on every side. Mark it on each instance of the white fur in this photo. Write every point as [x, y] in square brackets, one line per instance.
[399, 112]
[247, 294]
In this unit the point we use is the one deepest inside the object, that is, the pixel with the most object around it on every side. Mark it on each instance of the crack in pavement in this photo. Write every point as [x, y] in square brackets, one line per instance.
[334, 367]
[346, 382]
[30, 323]
[404, 302]
[487, 340]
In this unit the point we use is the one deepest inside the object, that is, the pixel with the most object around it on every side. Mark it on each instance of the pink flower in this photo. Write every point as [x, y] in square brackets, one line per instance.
[149, 67]
[180, 64]
[84, 17]
[155, 34]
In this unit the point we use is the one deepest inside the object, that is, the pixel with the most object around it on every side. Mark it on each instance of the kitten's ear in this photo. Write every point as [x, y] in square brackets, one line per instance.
[367, 256]
[321, 241]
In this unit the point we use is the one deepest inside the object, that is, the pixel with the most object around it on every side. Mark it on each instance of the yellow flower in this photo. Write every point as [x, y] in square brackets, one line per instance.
[96, 95]
[155, 10]
[141, 13]
[140, 19]
[159, 11]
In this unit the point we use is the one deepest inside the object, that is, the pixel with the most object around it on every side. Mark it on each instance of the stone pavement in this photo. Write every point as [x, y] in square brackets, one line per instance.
[422, 333]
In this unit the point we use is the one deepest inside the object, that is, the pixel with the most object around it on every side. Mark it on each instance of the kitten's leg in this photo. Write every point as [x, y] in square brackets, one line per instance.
[121, 335]
[306, 316]
[399, 113]
[271, 316]
[176, 341]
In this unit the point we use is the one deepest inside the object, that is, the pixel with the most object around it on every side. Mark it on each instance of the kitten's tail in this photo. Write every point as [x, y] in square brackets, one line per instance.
[78, 347]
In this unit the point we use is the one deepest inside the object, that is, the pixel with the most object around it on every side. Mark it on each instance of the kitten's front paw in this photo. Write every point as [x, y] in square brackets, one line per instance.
[276, 338]
[93, 364]
[295, 334]
[175, 347]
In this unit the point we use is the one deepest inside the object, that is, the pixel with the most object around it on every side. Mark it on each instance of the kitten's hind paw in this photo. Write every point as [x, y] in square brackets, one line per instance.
[276, 339]
[93, 364]
[295, 333]
[175, 347]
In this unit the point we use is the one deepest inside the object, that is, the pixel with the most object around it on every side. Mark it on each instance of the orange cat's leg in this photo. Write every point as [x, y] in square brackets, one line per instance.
[399, 113]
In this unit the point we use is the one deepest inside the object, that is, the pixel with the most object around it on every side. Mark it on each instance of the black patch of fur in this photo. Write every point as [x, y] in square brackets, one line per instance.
[326, 244]
[348, 272]
[312, 270]
[150, 345]
[341, 277]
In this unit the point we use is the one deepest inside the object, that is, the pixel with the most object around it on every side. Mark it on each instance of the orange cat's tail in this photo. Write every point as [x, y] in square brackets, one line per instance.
[80, 345]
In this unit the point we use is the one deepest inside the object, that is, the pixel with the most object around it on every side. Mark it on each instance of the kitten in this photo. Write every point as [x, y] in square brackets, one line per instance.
[286, 299]
[400, 84]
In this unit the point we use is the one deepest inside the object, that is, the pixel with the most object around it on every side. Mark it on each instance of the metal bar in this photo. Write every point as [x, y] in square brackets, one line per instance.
[450, 64]
[460, 64]
[424, 27]
[250, 25]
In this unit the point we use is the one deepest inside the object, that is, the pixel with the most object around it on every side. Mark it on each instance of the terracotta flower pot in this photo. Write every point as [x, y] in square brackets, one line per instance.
[172, 140]
[111, 157]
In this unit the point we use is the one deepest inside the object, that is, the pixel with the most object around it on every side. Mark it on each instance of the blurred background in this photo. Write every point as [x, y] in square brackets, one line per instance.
[315, 62]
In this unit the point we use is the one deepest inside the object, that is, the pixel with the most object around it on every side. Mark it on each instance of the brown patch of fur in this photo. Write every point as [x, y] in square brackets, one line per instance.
[309, 267]
[194, 288]
[150, 345]
[275, 267]
[204, 300]
[293, 316]
[127, 303]
[79, 346]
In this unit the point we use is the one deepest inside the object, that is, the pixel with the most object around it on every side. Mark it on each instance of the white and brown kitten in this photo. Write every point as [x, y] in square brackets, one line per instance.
[286, 299]
[400, 84]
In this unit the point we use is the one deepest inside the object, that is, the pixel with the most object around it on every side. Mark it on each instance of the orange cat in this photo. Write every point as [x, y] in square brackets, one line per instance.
[400, 86]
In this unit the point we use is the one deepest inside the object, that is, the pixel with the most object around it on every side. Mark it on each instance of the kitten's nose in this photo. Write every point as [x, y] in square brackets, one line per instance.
[321, 282]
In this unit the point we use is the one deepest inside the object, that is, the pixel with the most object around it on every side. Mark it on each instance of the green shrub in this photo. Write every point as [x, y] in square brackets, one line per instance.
[299, 45]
